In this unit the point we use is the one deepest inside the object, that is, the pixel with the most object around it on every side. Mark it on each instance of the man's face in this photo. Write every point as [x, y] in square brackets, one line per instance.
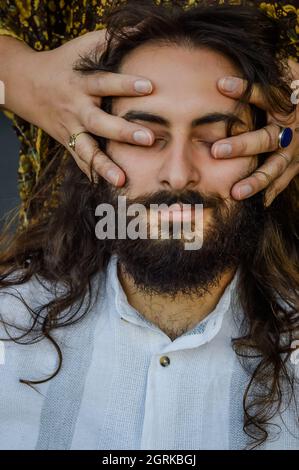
[184, 91]
[187, 115]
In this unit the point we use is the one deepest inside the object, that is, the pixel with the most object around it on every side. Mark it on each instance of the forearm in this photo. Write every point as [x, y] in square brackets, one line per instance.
[16, 67]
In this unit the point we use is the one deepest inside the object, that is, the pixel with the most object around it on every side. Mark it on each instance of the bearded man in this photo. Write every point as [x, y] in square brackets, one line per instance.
[137, 342]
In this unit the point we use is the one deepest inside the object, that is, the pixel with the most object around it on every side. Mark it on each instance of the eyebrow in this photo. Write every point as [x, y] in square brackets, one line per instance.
[209, 118]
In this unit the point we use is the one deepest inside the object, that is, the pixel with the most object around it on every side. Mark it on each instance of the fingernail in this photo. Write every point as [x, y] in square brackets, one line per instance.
[143, 86]
[113, 176]
[222, 150]
[229, 83]
[245, 190]
[142, 137]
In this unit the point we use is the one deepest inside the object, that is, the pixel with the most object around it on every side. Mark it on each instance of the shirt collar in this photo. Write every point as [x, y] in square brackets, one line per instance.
[203, 332]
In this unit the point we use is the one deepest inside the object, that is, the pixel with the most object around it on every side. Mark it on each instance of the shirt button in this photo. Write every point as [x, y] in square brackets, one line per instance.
[164, 361]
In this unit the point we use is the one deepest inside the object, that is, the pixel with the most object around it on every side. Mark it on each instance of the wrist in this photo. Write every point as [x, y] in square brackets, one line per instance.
[18, 78]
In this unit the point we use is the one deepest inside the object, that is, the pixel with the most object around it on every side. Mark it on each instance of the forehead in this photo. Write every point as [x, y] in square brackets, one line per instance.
[184, 80]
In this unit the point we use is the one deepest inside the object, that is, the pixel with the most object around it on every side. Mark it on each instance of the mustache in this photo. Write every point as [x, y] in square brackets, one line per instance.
[169, 198]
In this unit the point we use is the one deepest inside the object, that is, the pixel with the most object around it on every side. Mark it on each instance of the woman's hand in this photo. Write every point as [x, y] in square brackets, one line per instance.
[66, 103]
[279, 168]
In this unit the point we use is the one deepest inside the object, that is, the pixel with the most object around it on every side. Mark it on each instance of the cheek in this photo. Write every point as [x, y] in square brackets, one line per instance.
[219, 176]
[123, 155]
[141, 170]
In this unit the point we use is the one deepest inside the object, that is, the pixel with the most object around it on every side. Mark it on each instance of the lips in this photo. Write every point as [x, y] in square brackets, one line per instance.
[178, 211]
[176, 207]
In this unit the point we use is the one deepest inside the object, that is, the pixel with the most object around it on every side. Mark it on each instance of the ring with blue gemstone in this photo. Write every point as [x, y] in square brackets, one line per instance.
[285, 137]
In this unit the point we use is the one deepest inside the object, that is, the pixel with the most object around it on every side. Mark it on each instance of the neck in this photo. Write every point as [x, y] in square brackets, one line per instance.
[174, 316]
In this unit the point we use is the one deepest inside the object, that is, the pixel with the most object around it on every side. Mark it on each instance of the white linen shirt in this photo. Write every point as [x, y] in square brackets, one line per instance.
[124, 384]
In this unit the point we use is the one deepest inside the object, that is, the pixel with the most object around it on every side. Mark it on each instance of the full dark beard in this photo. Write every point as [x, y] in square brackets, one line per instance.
[165, 266]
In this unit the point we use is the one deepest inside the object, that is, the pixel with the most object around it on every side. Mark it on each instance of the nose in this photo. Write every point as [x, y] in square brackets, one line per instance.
[179, 169]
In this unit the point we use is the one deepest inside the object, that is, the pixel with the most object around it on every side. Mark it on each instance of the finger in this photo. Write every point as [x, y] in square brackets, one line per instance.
[281, 183]
[117, 84]
[261, 178]
[100, 123]
[87, 151]
[234, 87]
[248, 143]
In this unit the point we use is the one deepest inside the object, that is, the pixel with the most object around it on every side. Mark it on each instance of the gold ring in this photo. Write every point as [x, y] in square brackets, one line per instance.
[73, 138]
[265, 174]
[282, 155]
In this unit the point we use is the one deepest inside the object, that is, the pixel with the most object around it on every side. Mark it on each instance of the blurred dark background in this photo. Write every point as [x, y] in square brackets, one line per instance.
[9, 155]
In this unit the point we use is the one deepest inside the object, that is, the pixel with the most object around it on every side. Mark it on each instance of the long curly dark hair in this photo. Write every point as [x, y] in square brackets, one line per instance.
[269, 277]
